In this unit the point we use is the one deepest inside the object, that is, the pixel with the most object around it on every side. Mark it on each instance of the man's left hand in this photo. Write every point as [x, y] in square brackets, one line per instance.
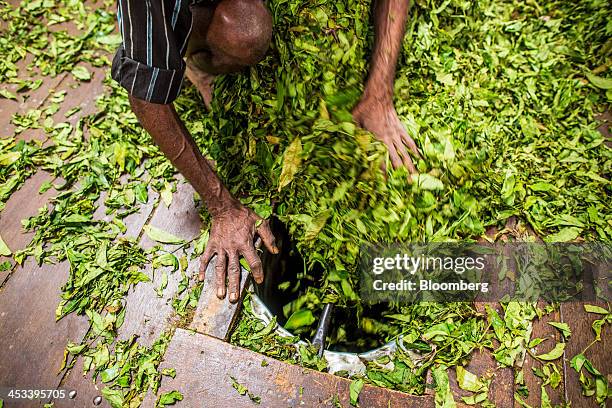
[381, 119]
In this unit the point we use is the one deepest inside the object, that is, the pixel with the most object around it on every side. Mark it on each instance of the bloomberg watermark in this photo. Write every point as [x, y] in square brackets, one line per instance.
[486, 272]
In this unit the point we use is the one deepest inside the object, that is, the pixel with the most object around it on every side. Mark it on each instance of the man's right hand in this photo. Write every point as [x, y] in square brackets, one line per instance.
[233, 225]
[232, 235]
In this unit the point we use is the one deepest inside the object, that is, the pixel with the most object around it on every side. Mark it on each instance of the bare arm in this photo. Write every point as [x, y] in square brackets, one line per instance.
[389, 23]
[169, 133]
[375, 111]
[233, 225]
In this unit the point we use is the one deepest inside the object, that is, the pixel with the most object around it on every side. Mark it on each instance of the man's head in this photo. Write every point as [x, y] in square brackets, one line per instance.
[239, 34]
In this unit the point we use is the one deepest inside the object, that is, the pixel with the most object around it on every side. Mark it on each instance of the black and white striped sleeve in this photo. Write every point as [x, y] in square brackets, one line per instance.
[149, 62]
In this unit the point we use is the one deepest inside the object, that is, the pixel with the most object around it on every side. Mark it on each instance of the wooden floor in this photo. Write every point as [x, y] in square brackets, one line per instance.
[32, 343]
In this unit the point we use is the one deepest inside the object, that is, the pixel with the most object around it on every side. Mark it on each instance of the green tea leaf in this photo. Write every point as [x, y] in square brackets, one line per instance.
[554, 354]
[355, 388]
[169, 398]
[595, 309]
[4, 249]
[497, 323]
[5, 93]
[162, 236]
[166, 194]
[563, 328]
[428, 182]
[300, 318]
[467, 381]
[444, 396]
[316, 225]
[564, 235]
[112, 39]
[114, 397]
[600, 82]
[291, 163]
[141, 193]
[81, 73]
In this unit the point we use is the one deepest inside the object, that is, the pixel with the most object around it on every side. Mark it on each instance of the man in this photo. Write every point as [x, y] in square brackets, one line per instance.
[221, 37]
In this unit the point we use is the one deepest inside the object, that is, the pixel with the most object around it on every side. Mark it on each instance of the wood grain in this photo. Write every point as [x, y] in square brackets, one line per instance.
[86, 388]
[204, 366]
[213, 316]
[580, 323]
[32, 341]
[147, 315]
[541, 329]
[24, 203]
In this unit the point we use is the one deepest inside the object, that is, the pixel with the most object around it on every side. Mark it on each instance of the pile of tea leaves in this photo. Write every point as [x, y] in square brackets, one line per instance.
[103, 168]
[502, 99]
[500, 96]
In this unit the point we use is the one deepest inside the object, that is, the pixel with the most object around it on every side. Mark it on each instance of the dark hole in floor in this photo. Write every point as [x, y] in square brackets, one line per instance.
[350, 330]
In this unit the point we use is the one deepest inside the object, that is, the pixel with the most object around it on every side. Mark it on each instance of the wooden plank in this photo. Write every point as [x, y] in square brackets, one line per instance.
[24, 203]
[147, 315]
[32, 341]
[81, 94]
[35, 322]
[482, 364]
[580, 323]
[543, 330]
[86, 388]
[27, 100]
[204, 365]
[216, 317]
[35, 100]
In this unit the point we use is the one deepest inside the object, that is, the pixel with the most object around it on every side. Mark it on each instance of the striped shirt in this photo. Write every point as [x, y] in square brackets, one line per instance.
[149, 62]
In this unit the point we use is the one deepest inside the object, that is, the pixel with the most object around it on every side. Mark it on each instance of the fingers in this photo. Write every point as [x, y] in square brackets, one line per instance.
[255, 263]
[410, 143]
[395, 159]
[383, 167]
[220, 274]
[204, 261]
[406, 159]
[267, 237]
[400, 141]
[233, 269]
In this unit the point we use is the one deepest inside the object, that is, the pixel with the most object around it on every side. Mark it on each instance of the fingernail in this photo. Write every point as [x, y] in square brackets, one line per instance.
[233, 297]
[276, 250]
[201, 277]
[220, 293]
